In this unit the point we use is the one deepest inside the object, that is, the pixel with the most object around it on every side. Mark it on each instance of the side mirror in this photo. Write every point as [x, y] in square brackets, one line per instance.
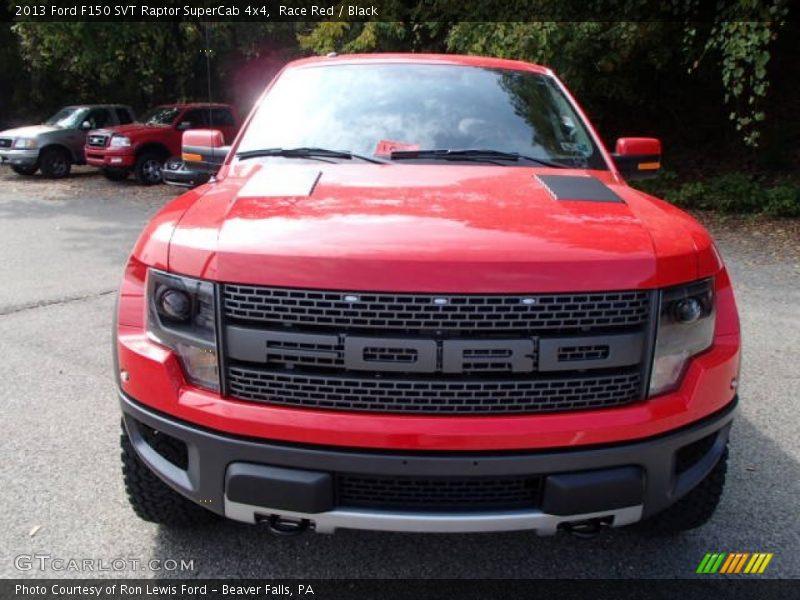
[86, 126]
[204, 150]
[184, 125]
[638, 158]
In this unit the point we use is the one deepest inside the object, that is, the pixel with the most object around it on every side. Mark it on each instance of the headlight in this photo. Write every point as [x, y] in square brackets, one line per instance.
[25, 144]
[685, 328]
[181, 316]
[120, 141]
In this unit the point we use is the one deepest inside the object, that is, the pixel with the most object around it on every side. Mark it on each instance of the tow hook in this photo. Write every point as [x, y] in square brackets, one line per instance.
[286, 527]
[586, 529]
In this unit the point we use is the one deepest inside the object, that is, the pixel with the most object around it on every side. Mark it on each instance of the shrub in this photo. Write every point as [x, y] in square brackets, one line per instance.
[730, 193]
[783, 201]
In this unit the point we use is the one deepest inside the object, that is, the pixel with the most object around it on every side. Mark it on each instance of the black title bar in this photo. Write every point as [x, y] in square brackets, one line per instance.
[379, 10]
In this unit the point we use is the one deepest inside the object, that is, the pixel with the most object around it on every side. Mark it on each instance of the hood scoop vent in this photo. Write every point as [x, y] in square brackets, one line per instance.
[279, 181]
[576, 187]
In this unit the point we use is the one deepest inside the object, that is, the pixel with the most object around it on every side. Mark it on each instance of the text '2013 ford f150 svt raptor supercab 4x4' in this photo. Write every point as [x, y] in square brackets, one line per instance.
[420, 296]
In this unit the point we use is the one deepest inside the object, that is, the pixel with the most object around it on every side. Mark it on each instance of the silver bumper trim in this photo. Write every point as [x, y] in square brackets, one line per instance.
[328, 522]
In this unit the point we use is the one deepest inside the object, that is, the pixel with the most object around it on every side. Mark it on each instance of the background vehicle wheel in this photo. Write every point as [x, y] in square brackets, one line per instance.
[148, 168]
[24, 170]
[55, 163]
[115, 174]
[695, 508]
[152, 499]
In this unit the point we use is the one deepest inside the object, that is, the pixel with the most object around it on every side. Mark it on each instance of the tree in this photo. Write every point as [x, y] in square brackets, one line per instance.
[604, 61]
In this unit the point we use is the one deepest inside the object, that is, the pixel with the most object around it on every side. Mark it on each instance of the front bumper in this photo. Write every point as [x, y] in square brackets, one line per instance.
[19, 158]
[109, 159]
[250, 480]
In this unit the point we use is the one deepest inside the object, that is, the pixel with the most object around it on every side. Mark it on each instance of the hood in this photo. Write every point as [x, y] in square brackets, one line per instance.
[448, 228]
[29, 131]
[129, 129]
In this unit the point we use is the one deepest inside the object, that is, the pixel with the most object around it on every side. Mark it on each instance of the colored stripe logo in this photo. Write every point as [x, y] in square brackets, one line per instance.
[734, 562]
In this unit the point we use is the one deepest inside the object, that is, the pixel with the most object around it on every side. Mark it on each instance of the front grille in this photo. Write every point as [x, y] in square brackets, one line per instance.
[443, 312]
[437, 493]
[434, 354]
[5, 143]
[97, 141]
[435, 395]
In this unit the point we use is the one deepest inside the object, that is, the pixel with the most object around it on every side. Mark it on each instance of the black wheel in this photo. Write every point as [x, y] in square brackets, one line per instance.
[148, 168]
[115, 174]
[24, 170]
[152, 499]
[55, 163]
[695, 508]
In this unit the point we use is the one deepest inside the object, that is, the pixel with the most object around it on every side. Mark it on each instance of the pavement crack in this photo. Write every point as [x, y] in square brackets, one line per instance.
[11, 310]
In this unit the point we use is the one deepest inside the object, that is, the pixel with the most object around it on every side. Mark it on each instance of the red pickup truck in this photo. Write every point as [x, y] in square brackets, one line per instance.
[142, 147]
[419, 295]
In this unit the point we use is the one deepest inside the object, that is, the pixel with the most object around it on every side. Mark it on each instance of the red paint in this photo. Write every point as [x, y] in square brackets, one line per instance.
[427, 228]
[210, 138]
[638, 146]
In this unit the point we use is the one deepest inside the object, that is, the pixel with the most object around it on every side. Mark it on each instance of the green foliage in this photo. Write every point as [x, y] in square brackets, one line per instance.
[140, 63]
[730, 193]
[783, 201]
[597, 59]
[619, 69]
[742, 50]
[603, 61]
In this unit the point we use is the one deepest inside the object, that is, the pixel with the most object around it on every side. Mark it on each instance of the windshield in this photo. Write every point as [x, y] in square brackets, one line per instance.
[375, 109]
[68, 118]
[161, 115]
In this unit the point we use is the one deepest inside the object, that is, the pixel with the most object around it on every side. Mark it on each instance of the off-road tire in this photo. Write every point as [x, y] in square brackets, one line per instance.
[55, 163]
[27, 171]
[116, 174]
[152, 499]
[695, 508]
[148, 168]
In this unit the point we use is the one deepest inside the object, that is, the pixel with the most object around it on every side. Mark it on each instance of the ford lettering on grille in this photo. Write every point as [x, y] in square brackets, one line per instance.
[419, 355]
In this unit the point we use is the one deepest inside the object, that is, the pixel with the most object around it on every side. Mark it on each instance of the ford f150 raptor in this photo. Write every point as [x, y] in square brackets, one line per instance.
[419, 295]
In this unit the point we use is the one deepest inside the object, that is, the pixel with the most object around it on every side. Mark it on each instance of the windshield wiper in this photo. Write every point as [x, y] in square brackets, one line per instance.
[319, 153]
[475, 155]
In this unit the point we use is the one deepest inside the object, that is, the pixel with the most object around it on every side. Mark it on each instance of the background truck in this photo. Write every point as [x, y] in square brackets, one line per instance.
[143, 147]
[419, 295]
[55, 145]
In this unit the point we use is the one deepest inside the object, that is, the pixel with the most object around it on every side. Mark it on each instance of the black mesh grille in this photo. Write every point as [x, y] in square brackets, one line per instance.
[343, 310]
[447, 396]
[442, 493]
[577, 353]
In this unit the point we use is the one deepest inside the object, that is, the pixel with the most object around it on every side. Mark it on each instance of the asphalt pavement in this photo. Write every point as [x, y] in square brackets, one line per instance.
[62, 249]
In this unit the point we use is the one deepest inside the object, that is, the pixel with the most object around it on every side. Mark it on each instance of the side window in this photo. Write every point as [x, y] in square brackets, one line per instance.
[198, 117]
[98, 117]
[124, 116]
[222, 117]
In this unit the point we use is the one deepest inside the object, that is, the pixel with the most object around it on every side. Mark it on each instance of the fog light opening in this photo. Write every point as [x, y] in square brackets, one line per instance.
[168, 447]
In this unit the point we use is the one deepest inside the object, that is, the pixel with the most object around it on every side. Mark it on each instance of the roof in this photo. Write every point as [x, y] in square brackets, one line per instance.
[408, 58]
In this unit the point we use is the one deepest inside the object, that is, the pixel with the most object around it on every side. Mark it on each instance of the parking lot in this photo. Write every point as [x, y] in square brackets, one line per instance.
[63, 245]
